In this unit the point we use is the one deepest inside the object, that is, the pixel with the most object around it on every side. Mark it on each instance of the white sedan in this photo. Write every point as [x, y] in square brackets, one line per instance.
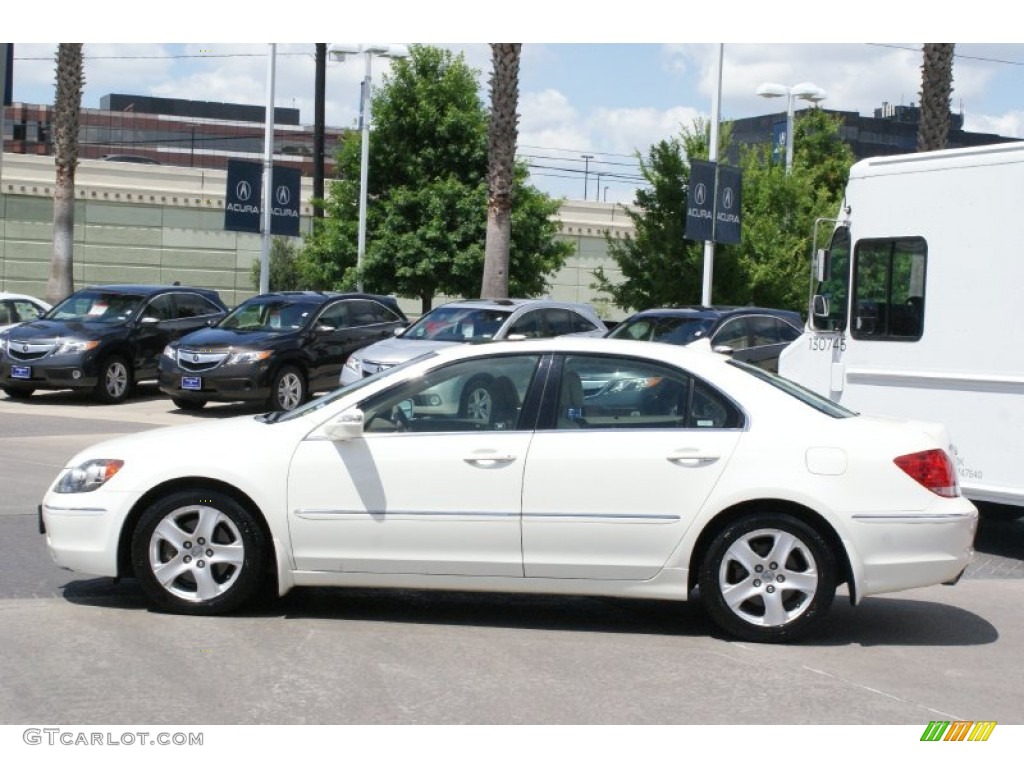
[603, 467]
[18, 308]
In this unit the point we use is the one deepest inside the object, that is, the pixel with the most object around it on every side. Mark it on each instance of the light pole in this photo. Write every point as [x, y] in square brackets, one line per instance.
[586, 172]
[806, 91]
[338, 52]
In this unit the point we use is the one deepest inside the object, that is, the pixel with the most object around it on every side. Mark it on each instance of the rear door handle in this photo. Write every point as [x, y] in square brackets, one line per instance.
[489, 460]
[691, 457]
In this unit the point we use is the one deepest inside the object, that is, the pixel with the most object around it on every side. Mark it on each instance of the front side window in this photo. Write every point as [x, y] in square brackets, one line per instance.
[480, 394]
[835, 288]
[194, 305]
[889, 282]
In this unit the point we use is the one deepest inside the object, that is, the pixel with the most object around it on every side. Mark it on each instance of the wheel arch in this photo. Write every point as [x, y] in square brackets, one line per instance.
[124, 544]
[798, 511]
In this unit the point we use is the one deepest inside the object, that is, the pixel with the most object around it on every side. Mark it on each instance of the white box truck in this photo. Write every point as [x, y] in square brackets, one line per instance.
[917, 306]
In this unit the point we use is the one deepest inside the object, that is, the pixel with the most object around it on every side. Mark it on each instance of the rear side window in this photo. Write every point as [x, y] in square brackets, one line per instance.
[888, 289]
[194, 305]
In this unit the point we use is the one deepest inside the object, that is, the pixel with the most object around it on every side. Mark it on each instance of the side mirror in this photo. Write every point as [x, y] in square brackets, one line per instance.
[819, 306]
[348, 426]
[148, 321]
[723, 349]
[399, 331]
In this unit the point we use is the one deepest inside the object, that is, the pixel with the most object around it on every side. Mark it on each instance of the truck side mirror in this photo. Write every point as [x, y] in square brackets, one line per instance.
[819, 306]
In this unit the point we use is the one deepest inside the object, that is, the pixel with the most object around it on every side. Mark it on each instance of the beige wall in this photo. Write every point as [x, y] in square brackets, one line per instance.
[158, 224]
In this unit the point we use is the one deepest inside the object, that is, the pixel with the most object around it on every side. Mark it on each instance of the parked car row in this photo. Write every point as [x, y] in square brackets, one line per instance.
[280, 348]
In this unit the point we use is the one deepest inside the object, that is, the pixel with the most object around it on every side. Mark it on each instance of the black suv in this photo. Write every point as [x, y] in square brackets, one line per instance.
[276, 348]
[754, 335]
[103, 339]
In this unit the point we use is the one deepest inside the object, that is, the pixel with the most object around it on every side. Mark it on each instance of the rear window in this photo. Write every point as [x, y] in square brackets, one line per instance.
[791, 388]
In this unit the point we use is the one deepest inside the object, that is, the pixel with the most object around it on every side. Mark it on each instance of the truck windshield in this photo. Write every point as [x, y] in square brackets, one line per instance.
[835, 288]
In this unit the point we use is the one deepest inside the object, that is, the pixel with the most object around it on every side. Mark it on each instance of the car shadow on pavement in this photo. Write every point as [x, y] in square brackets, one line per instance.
[888, 621]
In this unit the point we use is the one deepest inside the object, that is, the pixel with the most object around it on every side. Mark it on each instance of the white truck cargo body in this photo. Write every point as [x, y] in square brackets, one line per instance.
[917, 307]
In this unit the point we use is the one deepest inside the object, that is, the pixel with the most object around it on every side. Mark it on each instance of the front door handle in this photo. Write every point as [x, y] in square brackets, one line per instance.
[489, 460]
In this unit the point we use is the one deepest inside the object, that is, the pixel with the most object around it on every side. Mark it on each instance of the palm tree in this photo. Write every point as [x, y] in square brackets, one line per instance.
[502, 134]
[936, 86]
[66, 109]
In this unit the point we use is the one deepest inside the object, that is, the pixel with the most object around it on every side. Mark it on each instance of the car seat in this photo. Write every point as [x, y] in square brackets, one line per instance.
[504, 403]
[570, 401]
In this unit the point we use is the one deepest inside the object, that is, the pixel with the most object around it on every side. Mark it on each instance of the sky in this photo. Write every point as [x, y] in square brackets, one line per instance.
[600, 82]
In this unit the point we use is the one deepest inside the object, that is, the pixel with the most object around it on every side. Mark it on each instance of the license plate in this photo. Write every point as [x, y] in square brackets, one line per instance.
[192, 382]
[21, 372]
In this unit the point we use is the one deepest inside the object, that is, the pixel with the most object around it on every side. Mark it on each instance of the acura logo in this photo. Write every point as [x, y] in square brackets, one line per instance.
[195, 358]
[284, 195]
[243, 190]
[700, 194]
[727, 198]
[24, 347]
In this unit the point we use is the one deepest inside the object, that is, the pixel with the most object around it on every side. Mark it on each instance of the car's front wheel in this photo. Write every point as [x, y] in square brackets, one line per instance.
[199, 552]
[288, 391]
[187, 404]
[768, 577]
[115, 380]
[476, 400]
[18, 393]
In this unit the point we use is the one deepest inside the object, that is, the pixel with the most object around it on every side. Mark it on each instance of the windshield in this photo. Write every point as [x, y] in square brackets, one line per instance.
[791, 388]
[96, 307]
[458, 324]
[330, 397]
[268, 315]
[670, 329]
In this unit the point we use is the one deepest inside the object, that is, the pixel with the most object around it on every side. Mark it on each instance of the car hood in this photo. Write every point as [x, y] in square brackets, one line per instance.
[223, 338]
[49, 329]
[398, 350]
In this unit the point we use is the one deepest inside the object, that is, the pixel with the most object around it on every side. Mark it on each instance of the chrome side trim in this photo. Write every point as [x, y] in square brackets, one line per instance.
[912, 518]
[326, 514]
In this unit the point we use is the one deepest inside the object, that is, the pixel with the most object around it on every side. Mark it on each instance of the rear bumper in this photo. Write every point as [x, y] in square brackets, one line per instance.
[905, 551]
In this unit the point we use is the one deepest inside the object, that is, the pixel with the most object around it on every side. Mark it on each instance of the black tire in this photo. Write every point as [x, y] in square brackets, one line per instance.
[186, 404]
[216, 578]
[289, 389]
[790, 593]
[476, 400]
[18, 393]
[114, 383]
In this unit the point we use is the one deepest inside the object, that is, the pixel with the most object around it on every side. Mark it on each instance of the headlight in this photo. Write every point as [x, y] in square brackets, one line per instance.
[245, 358]
[3, 342]
[88, 476]
[169, 351]
[74, 347]
[355, 365]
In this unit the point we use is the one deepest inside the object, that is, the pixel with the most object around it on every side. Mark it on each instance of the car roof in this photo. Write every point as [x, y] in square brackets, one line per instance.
[715, 312]
[7, 295]
[512, 304]
[148, 290]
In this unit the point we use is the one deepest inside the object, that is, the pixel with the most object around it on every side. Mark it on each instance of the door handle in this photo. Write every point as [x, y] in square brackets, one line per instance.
[691, 457]
[489, 460]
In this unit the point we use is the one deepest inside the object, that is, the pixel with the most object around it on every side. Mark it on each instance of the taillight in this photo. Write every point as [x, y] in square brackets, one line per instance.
[933, 470]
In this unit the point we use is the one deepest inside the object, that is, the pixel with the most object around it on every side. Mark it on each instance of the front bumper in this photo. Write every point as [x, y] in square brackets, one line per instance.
[83, 530]
[218, 385]
[59, 373]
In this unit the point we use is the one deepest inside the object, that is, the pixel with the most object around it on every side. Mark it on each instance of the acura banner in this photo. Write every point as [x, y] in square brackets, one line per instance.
[243, 199]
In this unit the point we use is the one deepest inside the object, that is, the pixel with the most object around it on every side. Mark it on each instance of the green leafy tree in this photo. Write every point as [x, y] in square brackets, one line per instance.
[659, 266]
[428, 193]
[284, 267]
[779, 211]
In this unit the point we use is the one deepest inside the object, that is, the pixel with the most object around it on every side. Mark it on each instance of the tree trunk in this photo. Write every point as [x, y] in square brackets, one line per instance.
[67, 107]
[502, 135]
[936, 87]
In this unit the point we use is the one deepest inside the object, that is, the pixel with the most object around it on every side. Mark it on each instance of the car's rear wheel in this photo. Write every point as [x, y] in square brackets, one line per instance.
[115, 380]
[288, 391]
[18, 393]
[477, 401]
[199, 552]
[187, 404]
[768, 577]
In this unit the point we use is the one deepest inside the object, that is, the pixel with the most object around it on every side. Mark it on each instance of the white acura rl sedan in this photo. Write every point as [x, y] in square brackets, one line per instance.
[601, 467]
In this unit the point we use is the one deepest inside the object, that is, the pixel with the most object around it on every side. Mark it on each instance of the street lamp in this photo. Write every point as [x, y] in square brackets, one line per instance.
[806, 91]
[338, 52]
